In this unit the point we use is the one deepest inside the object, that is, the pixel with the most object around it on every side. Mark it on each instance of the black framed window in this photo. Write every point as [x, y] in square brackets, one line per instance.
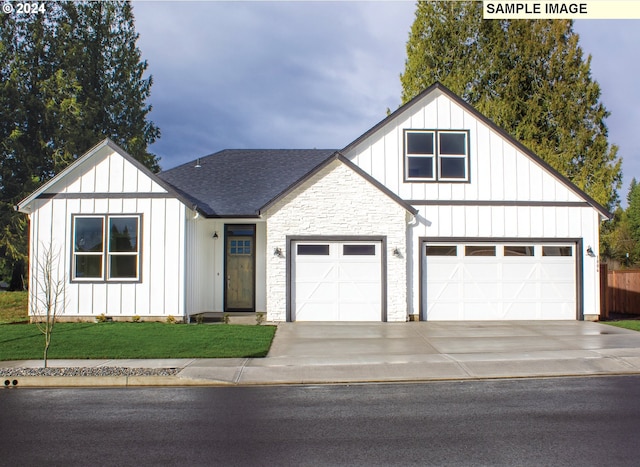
[106, 247]
[437, 155]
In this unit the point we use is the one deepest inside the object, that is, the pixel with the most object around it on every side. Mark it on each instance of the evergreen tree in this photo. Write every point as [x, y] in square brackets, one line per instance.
[633, 212]
[620, 238]
[528, 76]
[69, 76]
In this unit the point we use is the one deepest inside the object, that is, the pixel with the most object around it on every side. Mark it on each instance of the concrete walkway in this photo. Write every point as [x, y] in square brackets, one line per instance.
[319, 353]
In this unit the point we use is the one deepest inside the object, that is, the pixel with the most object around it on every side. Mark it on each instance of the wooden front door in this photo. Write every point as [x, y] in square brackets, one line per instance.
[240, 268]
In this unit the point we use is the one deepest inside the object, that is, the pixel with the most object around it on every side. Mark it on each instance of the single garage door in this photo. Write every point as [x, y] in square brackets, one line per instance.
[498, 281]
[337, 281]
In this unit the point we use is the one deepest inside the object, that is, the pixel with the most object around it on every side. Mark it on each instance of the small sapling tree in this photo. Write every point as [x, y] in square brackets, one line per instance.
[47, 294]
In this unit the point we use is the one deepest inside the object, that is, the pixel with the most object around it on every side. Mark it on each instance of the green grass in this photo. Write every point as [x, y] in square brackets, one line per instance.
[13, 307]
[136, 340]
[632, 324]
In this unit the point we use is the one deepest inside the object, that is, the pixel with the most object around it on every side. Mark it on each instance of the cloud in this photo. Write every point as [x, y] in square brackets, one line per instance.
[281, 74]
[612, 46]
[317, 74]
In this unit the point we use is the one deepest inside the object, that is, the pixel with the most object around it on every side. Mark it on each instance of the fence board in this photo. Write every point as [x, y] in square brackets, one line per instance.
[623, 292]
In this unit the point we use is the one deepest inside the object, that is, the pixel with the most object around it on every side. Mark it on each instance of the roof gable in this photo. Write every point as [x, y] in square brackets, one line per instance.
[429, 97]
[339, 157]
[105, 168]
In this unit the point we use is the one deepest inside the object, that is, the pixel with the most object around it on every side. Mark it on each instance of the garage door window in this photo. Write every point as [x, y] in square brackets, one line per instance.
[511, 250]
[359, 250]
[441, 250]
[315, 250]
[480, 250]
[557, 251]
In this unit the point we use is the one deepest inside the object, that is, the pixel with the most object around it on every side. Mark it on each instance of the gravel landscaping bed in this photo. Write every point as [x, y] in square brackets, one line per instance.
[89, 371]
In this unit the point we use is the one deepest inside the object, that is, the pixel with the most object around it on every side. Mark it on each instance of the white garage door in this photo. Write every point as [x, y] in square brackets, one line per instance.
[482, 281]
[336, 281]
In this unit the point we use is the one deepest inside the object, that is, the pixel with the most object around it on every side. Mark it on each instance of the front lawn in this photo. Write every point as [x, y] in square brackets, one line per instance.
[632, 324]
[13, 307]
[136, 340]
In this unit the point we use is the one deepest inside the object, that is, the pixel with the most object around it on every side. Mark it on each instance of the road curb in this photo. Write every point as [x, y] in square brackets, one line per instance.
[172, 381]
[103, 381]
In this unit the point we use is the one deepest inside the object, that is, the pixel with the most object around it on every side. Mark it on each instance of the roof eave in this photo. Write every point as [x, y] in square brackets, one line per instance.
[439, 86]
[296, 184]
[24, 205]
[338, 156]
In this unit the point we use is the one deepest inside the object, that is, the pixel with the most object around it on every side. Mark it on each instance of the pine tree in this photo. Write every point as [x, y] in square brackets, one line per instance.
[114, 90]
[528, 76]
[69, 77]
[620, 238]
[633, 210]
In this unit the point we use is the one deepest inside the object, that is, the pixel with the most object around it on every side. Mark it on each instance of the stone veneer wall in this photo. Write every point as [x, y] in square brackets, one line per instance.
[337, 201]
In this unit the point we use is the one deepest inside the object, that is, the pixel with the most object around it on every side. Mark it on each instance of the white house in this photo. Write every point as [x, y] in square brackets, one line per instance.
[433, 214]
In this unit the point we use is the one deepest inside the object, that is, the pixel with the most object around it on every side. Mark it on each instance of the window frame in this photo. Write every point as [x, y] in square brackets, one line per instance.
[437, 157]
[106, 254]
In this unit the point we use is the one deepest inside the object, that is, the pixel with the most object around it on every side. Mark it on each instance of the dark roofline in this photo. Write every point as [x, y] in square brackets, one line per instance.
[144, 169]
[333, 157]
[107, 142]
[468, 107]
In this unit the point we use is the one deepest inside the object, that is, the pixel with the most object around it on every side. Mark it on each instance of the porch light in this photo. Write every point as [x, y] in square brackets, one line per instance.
[277, 251]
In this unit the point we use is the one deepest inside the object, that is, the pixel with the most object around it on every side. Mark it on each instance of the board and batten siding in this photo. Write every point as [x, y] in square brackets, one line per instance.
[205, 263]
[498, 171]
[336, 202]
[536, 203]
[510, 222]
[112, 186]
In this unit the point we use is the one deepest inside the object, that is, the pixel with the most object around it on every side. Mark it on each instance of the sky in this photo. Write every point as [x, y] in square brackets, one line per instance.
[301, 74]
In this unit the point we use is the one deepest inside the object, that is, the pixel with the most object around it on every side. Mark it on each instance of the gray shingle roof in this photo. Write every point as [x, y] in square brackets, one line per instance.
[238, 182]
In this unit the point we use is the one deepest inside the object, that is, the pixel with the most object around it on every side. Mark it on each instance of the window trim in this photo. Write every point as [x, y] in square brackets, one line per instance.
[106, 254]
[437, 157]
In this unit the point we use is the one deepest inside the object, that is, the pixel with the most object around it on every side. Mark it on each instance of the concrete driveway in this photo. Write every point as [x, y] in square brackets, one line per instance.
[380, 340]
[450, 350]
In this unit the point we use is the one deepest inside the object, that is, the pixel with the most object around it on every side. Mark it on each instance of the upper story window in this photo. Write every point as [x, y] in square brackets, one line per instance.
[436, 155]
[106, 248]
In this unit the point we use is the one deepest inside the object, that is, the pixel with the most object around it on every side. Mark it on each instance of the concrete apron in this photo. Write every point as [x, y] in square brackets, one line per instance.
[316, 353]
[428, 351]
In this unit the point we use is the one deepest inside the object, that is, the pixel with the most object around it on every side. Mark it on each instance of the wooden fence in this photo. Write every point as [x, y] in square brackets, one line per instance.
[619, 292]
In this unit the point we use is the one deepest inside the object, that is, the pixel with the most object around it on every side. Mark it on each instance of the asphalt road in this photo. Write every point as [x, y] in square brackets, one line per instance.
[559, 421]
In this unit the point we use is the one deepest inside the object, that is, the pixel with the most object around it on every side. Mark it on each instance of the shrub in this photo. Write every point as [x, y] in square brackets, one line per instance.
[136, 319]
[259, 318]
[101, 318]
[171, 319]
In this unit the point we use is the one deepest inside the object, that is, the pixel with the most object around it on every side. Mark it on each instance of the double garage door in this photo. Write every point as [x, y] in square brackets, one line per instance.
[336, 281]
[498, 281]
[343, 281]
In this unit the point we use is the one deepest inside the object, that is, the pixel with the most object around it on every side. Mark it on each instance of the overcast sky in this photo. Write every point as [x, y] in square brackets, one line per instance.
[319, 74]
